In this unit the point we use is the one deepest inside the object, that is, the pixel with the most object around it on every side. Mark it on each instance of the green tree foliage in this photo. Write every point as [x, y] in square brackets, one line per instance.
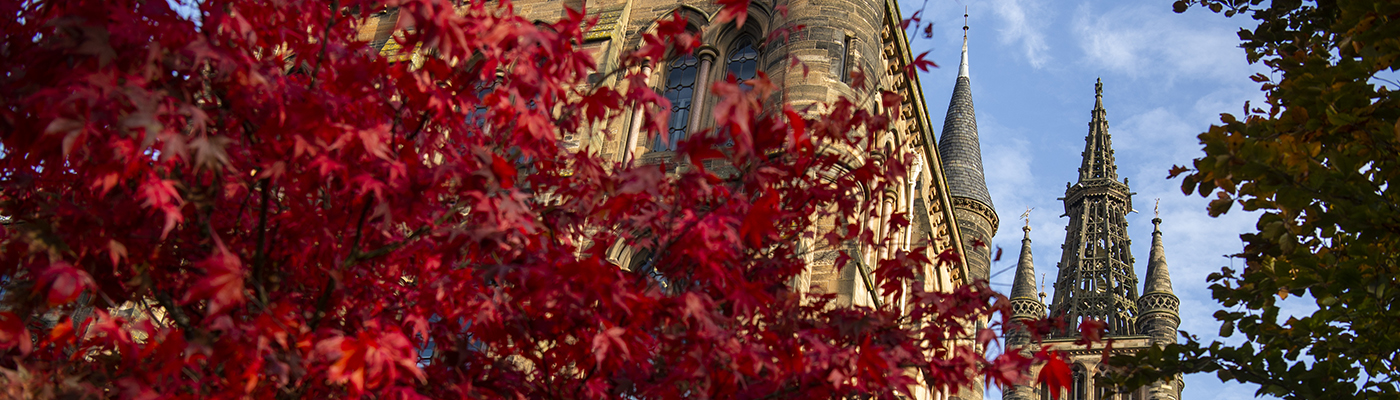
[1317, 161]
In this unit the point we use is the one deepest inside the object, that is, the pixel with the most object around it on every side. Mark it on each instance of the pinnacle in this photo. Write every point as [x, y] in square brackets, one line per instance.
[1098, 145]
[1157, 279]
[1024, 285]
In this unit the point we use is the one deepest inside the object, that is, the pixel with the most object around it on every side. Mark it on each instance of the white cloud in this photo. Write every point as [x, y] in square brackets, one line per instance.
[1150, 41]
[1024, 27]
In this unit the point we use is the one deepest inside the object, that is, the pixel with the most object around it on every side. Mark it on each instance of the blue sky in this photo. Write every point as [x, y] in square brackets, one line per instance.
[1166, 78]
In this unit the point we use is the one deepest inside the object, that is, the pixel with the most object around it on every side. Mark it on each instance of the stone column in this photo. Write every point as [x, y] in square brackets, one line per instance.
[707, 56]
[636, 128]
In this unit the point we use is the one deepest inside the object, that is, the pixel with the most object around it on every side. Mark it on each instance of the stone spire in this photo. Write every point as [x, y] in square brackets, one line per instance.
[1096, 279]
[1157, 279]
[1024, 286]
[1160, 311]
[1025, 305]
[1159, 305]
[1098, 146]
[961, 154]
[1024, 302]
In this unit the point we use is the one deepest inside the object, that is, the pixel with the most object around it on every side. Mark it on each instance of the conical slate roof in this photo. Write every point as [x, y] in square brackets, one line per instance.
[1024, 285]
[1157, 279]
[958, 147]
[1098, 146]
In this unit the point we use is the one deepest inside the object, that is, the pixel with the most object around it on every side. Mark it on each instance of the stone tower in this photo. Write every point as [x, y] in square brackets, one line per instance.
[961, 151]
[1096, 280]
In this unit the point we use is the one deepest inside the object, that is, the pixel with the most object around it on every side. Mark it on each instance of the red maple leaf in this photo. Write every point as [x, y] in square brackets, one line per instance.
[921, 63]
[505, 172]
[977, 243]
[733, 10]
[948, 256]
[1091, 331]
[13, 333]
[760, 223]
[1011, 368]
[222, 284]
[64, 283]
[1055, 374]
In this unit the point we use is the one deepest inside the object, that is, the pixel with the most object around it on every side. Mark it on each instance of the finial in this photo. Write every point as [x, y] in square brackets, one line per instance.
[1098, 87]
[1042, 287]
[962, 67]
[1157, 217]
[1027, 217]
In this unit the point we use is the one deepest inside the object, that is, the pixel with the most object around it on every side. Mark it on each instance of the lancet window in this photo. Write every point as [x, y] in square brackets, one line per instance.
[680, 91]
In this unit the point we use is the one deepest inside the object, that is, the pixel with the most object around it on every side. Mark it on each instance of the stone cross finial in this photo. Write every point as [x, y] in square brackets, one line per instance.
[1042, 287]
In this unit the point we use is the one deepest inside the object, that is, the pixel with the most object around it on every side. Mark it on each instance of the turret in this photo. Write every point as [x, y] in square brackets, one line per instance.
[961, 152]
[1159, 307]
[1025, 305]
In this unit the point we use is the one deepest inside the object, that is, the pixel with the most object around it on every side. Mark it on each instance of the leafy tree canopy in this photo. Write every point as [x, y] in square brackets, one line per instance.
[1317, 160]
[260, 205]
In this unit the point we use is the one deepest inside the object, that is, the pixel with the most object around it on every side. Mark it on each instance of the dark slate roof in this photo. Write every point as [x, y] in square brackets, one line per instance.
[1158, 279]
[958, 147]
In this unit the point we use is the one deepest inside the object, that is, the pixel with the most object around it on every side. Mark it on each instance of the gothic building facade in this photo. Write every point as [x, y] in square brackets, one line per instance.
[1096, 280]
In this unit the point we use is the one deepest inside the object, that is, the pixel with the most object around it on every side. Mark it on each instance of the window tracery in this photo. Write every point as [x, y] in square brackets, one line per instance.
[679, 90]
[743, 60]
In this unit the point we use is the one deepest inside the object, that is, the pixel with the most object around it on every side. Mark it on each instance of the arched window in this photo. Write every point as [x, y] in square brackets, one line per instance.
[1105, 392]
[1077, 390]
[743, 60]
[641, 261]
[680, 89]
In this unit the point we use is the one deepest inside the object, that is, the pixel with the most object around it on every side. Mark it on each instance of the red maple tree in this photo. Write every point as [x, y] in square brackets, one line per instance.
[250, 202]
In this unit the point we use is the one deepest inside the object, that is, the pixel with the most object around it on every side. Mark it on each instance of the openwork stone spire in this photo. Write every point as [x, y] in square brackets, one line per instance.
[1096, 279]
[1098, 146]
